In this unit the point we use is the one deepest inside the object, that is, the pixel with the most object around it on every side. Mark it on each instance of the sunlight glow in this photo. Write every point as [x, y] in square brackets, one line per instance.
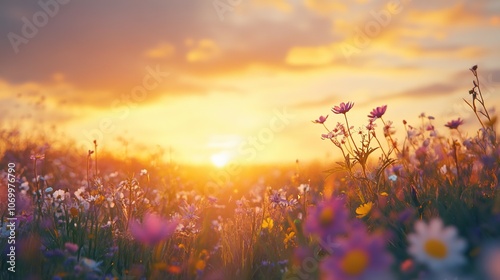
[220, 159]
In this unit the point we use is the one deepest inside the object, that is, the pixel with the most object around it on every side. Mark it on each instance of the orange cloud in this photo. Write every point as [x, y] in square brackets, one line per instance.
[457, 15]
[202, 50]
[162, 50]
[317, 55]
[280, 5]
[324, 7]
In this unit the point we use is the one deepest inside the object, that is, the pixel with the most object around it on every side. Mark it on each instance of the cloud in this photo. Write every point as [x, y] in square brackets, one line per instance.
[280, 5]
[316, 55]
[162, 50]
[458, 14]
[201, 50]
[326, 7]
[326, 102]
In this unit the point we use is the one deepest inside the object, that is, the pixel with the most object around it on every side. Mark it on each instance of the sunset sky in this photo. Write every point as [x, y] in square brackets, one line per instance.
[239, 80]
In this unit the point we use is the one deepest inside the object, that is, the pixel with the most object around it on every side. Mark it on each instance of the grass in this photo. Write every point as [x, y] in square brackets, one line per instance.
[88, 215]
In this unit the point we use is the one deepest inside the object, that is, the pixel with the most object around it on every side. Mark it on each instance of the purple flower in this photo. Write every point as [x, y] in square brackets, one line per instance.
[454, 124]
[321, 119]
[343, 108]
[153, 229]
[360, 256]
[278, 198]
[328, 218]
[327, 136]
[71, 247]
[377, 112]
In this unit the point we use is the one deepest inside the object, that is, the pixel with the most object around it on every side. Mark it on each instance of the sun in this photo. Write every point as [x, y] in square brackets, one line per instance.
[220, 159]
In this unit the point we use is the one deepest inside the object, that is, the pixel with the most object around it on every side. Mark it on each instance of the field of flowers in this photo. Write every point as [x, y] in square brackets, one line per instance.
[423, 207]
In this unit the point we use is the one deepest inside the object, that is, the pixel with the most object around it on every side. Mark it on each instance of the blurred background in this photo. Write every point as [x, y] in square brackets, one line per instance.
[215, 82]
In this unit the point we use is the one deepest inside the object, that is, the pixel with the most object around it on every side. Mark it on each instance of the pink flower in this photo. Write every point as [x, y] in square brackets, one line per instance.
[343, 108]
[454, 124]
[71, 247]
[328, 218]
[321, 119]
[377, 112]
[153, 229]
[360, 256]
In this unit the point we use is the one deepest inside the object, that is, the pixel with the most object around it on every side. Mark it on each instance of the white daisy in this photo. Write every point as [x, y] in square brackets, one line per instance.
[439, 247]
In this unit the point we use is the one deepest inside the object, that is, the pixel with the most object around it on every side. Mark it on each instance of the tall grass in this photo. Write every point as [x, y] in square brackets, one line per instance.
[86, 215]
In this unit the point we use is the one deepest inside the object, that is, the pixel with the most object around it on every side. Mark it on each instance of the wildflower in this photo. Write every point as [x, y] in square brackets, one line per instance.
[489, 260]
[364, 209]
[37, 156]
[189, 212]
[321, 119]
[361, 256]
[343, 108]
[289, 238]
[292, 203]
[303, 188]
[153, 229]
[443, 169]
[80, 193]
[377, 112]
[388, 129]
[329, 217]
[437, 246]
[454, 124]
[59, 195]
[327, 136]
[268, 223]
[278, 198]
[71, 247]
[393, 177]
[407, 266]
[90, 265]
[74, 212]
[371, 125]
[143, 172]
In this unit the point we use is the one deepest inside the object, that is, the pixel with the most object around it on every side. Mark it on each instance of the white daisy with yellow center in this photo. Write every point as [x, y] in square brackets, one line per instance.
[439, 247]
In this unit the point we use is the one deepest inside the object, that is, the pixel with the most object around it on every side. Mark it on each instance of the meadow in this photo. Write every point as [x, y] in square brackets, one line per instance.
[423, 207]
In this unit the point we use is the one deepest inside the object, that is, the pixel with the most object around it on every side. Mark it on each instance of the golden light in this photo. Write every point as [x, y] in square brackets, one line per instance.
[220, 159]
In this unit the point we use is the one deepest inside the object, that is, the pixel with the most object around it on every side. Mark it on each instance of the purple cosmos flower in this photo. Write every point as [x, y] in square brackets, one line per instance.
[361, 256]
[278, 198]
[153, 229]
[454, 124]
[327, 136]
[321, 119]
[343, 108]
[328, 218]
[377, 112]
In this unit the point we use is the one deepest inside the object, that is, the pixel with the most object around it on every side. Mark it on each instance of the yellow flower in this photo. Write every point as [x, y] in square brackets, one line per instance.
[268, 223]
[200, 265]
[289, 238]
[364, 209]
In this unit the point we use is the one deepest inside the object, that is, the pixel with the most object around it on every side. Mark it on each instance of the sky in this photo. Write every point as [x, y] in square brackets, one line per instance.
[239, 80]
